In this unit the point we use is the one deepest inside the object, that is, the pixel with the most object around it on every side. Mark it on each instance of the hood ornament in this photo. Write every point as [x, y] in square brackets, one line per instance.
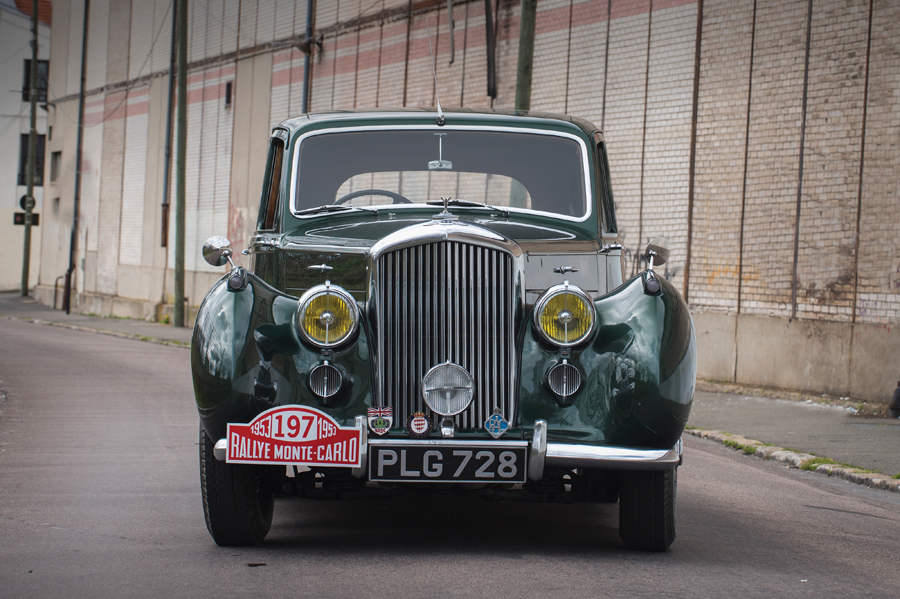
[445, 215]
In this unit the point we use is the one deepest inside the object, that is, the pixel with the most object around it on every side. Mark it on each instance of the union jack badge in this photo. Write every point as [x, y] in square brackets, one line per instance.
[380, 420]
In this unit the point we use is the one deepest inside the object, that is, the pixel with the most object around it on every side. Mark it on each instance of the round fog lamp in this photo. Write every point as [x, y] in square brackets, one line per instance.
[325, 380]
[448, 389]
[564, 315]
[564, 379]
[326, 315]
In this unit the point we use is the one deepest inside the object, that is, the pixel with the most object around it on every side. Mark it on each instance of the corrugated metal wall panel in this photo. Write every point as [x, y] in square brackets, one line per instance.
[198, 16]
[222, 210]
[141, 38]
[98, 46]
[133, 183]
[230, 27]
[76, 22]
[300, 19]
[297, 83]
[284, 17]
[279, 107]
[214, 22]
[192, 169]
[265, 22]
[91, 162]
[326, 14]
[247, 29]
[162, 30]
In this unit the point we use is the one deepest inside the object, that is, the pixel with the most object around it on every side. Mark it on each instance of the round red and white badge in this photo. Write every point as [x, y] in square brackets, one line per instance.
[418, 425]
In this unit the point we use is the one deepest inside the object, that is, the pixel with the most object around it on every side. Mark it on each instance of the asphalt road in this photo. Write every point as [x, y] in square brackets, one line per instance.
[99, 497]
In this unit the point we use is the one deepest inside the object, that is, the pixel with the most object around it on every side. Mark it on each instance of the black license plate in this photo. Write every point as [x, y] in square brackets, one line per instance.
[448, 461]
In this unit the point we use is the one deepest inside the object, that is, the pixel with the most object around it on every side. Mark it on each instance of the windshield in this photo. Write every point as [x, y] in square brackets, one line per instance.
[402, 167]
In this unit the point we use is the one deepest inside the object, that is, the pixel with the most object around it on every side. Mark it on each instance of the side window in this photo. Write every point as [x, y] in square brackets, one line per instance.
[268, 205]
[609, 204]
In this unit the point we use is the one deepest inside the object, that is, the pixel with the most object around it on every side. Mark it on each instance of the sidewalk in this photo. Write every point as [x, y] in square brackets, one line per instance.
[805, 427]
[13, 305]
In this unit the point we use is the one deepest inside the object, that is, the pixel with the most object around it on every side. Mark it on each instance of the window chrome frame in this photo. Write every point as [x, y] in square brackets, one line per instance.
[590, 196]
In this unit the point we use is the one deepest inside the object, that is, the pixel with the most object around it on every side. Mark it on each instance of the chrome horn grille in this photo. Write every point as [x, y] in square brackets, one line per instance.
[446, 301]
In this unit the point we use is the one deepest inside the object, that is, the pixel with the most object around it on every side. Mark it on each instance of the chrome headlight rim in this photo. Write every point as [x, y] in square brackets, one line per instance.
[307, 298]
[549, 294]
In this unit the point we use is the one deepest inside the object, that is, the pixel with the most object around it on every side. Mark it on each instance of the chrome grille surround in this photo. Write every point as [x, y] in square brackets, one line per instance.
[446, 290]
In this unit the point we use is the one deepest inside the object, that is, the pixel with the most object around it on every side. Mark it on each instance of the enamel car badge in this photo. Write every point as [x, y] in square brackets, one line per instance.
[496, 424]
[419, 425]
[380, 420]
[293, 435]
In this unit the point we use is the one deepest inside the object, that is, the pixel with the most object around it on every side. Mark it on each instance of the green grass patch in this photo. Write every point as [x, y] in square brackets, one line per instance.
[745, 449]
[896, 476]
[816, 462]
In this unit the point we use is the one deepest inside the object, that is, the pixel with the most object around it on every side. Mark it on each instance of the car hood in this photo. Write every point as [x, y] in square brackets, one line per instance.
[532, 235]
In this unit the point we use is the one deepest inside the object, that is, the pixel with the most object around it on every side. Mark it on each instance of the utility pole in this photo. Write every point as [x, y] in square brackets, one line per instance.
[180, 164]
[79, 146]
[517, 192]
[526, 54]
[32, 148]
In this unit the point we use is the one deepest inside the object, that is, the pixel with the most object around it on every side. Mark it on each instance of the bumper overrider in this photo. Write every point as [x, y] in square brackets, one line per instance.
[296, 436]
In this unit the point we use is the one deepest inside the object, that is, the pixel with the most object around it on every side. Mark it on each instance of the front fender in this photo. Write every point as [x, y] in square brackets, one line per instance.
[639, 372]
[246, 357]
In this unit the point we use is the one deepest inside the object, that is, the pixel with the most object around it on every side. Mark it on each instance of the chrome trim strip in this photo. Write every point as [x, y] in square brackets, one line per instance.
[537, 453]
[589, 190]
[437, 231]
[448, 442]
[605, 457]
[361, 472]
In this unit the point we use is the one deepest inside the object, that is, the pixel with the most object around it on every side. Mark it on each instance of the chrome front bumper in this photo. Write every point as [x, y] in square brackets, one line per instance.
[542, 454]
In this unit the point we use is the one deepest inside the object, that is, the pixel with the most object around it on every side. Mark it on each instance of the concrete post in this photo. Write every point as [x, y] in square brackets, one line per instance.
[32, 147]
[178, 321]
[526, 54]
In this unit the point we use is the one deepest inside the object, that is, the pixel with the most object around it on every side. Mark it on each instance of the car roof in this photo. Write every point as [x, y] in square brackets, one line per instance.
[494, 116]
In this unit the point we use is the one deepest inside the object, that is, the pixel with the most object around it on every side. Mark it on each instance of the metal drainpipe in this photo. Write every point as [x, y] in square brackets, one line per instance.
[73, 241]
[307, 79]
[173, 57]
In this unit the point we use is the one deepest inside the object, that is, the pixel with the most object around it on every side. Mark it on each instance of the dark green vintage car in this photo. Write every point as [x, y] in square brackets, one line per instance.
[436, 301]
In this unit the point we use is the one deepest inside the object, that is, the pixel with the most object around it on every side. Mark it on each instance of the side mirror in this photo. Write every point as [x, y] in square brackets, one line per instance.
[217, 251]
[658, 251]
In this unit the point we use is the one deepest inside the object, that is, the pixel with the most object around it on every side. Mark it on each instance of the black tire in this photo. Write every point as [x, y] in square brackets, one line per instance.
[647, 509]
[237, 502]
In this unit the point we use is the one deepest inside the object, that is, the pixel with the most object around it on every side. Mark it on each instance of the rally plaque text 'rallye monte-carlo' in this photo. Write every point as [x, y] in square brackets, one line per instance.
[437, 301]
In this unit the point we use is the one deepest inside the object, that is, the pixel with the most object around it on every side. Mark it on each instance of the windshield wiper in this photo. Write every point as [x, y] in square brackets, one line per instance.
[332, 208]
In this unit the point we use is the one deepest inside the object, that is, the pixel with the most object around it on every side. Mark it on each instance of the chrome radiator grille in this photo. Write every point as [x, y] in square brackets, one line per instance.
[446, 301]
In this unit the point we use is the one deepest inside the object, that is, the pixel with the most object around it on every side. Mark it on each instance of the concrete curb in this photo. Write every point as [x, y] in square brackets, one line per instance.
[795, 459]
[73, 327]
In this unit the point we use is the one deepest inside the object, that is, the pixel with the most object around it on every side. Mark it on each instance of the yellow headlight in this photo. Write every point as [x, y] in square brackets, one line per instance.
[327, 315]
[564, 315]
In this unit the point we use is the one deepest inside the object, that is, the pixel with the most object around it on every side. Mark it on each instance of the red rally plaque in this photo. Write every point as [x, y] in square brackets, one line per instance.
[293, 435]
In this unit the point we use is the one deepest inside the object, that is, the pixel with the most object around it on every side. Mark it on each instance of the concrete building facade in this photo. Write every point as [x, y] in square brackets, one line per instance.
[762, 138]
[15, 124]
